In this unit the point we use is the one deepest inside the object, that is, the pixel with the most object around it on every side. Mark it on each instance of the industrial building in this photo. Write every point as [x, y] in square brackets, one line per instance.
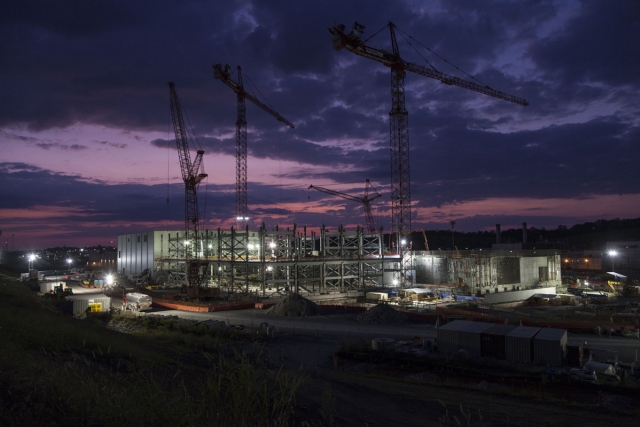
[295, 260]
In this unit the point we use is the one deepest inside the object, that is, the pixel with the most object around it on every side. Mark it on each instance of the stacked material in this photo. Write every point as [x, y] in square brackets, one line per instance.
[296, 306]
[125, 326]
[382, 314]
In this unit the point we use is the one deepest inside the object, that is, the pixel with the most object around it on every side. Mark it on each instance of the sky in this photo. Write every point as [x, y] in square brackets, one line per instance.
[87, 150]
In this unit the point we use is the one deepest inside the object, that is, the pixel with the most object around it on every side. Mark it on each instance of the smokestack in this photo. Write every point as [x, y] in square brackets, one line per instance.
[524, 232]
[498, 241]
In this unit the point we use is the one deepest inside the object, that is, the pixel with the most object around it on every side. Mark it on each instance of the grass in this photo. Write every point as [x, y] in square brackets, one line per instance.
[56, 370]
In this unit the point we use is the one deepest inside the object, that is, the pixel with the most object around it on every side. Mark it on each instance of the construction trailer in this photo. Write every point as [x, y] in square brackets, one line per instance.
[519, 344]
[462, 335]
[493, 341]
[550, 347]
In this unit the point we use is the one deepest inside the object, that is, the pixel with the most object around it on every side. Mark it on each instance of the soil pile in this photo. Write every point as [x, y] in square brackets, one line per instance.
[296, 306]
[382, 314]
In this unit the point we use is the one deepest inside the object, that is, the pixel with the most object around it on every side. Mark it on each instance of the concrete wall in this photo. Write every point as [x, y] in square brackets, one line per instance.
[502, 297]
[486, 273]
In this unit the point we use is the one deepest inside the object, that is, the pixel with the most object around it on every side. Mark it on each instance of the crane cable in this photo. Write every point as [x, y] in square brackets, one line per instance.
[444, 59]
[198, 147]
[253, 86]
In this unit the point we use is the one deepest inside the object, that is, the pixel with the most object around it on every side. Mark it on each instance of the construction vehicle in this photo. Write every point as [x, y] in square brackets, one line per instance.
[366, 202]
[135, 301]
[399, 120]
[62, 291]
[224, 75]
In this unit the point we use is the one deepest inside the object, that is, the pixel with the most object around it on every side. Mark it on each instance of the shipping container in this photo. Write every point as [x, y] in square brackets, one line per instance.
[93, 305]
[493, 341]
[462, 335]
[519, 344]
[575, 354]
[550, 347]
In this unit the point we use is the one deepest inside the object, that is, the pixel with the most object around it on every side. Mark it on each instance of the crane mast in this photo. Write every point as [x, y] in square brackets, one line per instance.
[366, 202]
[191, 179]
[399, 124]
[224, 75]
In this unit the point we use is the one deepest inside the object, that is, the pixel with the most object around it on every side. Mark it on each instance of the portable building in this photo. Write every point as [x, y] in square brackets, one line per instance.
[462, 335]
[493, 341]
[377, 296]
[100, 305]
[519, 344]
[550, 347]
[47, 287]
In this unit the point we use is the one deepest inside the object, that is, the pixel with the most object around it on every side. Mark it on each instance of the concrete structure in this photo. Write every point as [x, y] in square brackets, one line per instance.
[290, 260]
[485, 272]
[514, 296]
[264, 261]
[582, 260]
[104, 260]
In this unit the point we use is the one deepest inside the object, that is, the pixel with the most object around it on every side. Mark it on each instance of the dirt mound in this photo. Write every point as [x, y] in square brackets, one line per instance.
[296, 306]
[382, 314]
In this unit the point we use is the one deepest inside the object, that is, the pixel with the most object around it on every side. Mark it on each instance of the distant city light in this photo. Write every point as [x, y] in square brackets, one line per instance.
[613, 253]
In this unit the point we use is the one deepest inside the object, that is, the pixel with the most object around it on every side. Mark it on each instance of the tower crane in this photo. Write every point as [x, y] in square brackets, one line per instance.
[366, 202]
[399, 123]
[224, 75]
[191, 177]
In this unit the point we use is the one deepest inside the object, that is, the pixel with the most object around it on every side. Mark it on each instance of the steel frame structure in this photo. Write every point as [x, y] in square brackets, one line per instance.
[282, 261]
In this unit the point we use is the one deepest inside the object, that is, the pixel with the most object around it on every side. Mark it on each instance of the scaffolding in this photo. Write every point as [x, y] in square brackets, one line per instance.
[281, 261]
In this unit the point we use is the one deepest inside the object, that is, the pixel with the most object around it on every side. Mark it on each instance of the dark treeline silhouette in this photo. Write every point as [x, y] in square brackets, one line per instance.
[589, 235]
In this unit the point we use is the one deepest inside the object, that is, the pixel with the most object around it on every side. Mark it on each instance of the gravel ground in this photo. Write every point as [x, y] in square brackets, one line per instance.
[382, 314]
[296, 306]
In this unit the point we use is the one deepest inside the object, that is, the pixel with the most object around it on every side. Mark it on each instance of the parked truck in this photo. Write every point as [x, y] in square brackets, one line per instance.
[135, 301]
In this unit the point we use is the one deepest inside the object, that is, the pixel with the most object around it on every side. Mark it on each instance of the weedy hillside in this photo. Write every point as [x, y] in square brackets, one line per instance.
[57, 370]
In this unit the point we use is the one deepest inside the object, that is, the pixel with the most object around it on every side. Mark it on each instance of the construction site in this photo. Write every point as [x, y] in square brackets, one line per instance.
[280, 261]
